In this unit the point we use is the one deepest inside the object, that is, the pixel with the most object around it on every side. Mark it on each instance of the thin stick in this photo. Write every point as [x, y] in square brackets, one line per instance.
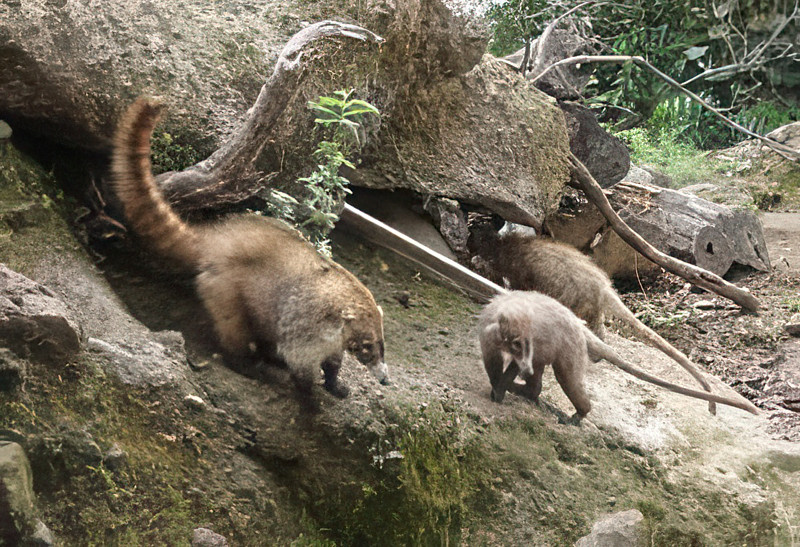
[583, 180]
[785, 151]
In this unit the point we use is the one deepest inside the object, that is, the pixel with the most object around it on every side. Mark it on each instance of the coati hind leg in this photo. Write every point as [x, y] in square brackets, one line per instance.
[230, 321]
[568, 371]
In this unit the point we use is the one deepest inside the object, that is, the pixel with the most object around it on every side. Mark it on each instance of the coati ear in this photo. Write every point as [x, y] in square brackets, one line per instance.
[502, 321]
[492, 330]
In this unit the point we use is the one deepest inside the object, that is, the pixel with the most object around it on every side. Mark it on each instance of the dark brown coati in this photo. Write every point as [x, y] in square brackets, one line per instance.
[521, 332]
[267, 290]
[562, 272]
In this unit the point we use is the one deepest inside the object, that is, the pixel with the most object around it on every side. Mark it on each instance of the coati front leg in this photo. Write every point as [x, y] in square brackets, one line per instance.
[533, 385]
[330, 367]
[505, 382]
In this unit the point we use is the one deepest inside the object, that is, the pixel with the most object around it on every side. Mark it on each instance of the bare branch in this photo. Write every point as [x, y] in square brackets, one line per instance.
[229, 174]
[584, 181]
[785, 151]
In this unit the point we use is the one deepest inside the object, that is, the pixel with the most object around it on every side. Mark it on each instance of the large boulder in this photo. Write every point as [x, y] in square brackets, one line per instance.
[70, 69]
[34, 322]
[604, 155]
[67, 69]
[18, 521]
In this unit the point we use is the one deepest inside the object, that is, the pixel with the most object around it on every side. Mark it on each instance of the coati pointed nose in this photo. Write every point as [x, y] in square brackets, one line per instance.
[386, 382]
[381, 373]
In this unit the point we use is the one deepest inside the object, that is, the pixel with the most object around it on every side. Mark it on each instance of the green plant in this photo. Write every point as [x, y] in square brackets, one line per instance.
[340, 117]
[169, 154]
[665, 149]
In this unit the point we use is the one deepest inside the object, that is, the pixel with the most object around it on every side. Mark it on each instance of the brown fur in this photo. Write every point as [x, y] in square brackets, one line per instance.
[564, 273]
[522, 332]
[262, 283]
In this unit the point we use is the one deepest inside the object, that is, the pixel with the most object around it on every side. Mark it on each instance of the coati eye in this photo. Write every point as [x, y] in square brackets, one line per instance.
[516, 344]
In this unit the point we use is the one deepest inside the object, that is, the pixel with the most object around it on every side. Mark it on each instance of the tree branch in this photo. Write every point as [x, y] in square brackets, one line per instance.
[785, 151]
[584, 181]
[229, 174]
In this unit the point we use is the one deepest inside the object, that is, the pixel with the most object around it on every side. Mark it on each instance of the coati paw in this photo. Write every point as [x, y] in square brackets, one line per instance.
[575, 419]
[498, 396]
[337, 389]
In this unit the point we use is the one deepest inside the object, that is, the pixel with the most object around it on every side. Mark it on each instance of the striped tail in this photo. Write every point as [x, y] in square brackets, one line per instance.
[146, 210]
[621, 311]
[599, 349]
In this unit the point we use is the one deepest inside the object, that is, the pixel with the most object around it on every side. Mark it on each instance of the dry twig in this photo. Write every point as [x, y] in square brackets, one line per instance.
[584, 181]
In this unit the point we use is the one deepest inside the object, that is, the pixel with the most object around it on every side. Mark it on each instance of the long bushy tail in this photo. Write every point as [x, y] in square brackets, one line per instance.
[146, 210]
[621, 311]
[599, 349]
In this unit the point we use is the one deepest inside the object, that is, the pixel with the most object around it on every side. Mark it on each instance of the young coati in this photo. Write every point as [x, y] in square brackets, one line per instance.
[521, 332]
[267, 290]
[558, 270]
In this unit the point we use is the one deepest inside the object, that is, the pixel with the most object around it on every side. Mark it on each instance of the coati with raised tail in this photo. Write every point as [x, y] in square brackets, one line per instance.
[562, 272]
[267, 289]
[521, 332]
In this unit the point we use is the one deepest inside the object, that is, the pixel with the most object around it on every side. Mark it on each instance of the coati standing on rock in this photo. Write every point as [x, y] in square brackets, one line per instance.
[522, 332]
[266, 288]
[562, 272]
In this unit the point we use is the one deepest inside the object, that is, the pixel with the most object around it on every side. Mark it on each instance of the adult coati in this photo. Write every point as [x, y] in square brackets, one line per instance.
[562, 272]
[267, 290]
[522, 332]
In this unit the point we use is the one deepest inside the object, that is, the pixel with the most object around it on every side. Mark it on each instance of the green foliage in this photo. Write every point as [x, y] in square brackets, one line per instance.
[340, 118]
[764, 116]
[169, 154]
[671, 154]
[683, 40]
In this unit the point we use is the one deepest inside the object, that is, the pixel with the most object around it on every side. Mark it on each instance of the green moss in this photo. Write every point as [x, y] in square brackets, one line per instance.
[31, 209]
[171, 154]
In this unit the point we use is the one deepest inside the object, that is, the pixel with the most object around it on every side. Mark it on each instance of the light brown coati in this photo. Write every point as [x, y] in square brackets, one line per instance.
[266, 288]
[562, 272]
[521, 332]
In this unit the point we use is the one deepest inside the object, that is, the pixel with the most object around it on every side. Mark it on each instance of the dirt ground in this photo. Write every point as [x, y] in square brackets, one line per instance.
[754, 354]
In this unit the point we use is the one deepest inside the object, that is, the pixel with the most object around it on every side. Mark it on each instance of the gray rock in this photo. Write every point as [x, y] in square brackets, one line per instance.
[5, 130]
[142, 362]
[659, 179]
[69, 68]
[17, 502]
[565, 82]
[604, 155]
[485, 138]
[793, 329]
[12, 370]
[203, 537]
[617, 530]
[637, 175]
[58, 455]
[34, 323]
[787, 134]
[115, 459]
[41, 536]
[451, 222]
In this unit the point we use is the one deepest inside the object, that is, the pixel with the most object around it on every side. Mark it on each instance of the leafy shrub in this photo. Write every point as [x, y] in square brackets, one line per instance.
[339, 118]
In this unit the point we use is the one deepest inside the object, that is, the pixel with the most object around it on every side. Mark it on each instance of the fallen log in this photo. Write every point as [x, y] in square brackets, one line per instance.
[705, 279]
[695, 230]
